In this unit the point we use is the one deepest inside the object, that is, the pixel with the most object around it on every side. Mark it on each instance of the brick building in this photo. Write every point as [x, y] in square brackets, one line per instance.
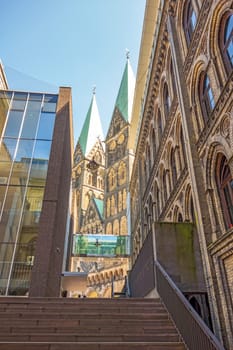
[182, 133]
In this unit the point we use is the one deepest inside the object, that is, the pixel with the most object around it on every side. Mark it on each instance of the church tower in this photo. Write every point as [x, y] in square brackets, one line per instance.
[88, 174]
[101, 239]
[118, 158]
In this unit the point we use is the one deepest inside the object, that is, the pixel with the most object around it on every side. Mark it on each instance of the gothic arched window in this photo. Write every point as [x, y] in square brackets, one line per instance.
[166, 100]
[206, 96]
[173, 167]
[189, 21]
[153, 143]
[159, 126]
[226, 40]
[225, 188]
[164, 186]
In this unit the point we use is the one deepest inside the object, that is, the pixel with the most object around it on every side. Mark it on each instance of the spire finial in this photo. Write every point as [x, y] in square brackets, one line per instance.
[127, 53]
[94, 89]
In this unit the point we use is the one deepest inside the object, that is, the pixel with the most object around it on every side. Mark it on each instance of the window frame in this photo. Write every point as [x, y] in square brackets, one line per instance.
[187, 21]
[223, 44]
[225, 182]
[204, 96]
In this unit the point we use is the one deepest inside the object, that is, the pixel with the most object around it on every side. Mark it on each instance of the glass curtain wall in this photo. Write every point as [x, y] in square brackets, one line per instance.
[26, 130]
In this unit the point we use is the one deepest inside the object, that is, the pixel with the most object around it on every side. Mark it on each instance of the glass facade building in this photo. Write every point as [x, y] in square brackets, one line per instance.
[26, 133]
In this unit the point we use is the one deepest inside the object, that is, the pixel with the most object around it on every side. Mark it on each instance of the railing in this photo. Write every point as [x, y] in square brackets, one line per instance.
[192, 328]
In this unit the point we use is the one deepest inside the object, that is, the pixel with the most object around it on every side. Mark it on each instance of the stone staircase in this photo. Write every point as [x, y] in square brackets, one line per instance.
[86, 324]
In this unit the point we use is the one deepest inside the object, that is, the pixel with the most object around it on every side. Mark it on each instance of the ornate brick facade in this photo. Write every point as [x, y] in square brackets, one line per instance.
[183, 165]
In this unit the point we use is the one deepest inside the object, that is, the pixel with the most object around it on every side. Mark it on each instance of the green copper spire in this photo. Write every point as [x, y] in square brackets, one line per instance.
[124, 101]
[92, 128]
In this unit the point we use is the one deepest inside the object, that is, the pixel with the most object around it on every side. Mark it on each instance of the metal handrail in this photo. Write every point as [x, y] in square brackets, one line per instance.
[192, 328]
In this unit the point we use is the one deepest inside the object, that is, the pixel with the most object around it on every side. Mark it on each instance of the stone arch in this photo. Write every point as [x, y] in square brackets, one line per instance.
[152, 143]
[109, 228]
[111, 179]
[123, 226]
[213, 197]
[177, 212]
[116, 227]
[213, 43]
[200, 66]
[170, 74]
[188, 205]
[122, 172]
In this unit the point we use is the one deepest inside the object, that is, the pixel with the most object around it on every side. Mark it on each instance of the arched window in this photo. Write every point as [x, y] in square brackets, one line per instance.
[166, 100]
[173, 167]
[226, 40]
[180, 218]
[148, 158]
[225, 188]
[164, 186]
[206, 96]
[189, 21]
[159, 126]
[153, 143]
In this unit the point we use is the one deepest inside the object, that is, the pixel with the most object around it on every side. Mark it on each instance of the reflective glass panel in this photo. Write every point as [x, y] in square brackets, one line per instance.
[50, 103]
[7, 150]
[31, 120]
[229, 28]
[35, 97]
[42, 150]
[6, 253]
[38, 172]
[11, 213]
[193, 20]
[230, 51]
[18, 105]
[19, 101]
[4, 106]
[101, 245]
[2, 195]
[46, 126]
[22, 162]
[13, 123]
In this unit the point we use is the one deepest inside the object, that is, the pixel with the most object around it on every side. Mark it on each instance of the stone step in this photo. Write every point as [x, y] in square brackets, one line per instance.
[88, 322]
[90, 337]
[80, 301]
[82, 310]
[76, 315]
[91, 346]
[105, 329]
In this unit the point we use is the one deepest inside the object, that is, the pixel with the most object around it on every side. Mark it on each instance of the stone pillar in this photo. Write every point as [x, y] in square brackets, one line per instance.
[46, 273]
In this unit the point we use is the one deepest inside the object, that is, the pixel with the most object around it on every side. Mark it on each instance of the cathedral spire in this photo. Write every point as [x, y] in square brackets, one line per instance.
[124, 101]
[92, 128]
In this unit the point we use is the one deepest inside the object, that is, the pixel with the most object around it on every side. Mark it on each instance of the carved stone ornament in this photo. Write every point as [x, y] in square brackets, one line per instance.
[225, 127]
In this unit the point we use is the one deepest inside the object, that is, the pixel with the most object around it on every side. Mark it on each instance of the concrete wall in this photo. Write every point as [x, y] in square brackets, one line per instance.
[177, 250]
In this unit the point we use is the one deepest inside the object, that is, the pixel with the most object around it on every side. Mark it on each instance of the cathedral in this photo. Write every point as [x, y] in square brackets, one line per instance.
[100, 209]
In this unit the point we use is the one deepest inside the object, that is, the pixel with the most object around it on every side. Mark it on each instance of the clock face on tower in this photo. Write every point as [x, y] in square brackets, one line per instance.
[77, 158]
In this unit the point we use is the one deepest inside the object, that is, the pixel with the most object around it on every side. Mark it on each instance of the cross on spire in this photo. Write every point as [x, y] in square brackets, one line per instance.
[127, 54]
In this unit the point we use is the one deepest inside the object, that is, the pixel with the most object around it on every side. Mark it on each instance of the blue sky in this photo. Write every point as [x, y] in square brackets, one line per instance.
[79, 43]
